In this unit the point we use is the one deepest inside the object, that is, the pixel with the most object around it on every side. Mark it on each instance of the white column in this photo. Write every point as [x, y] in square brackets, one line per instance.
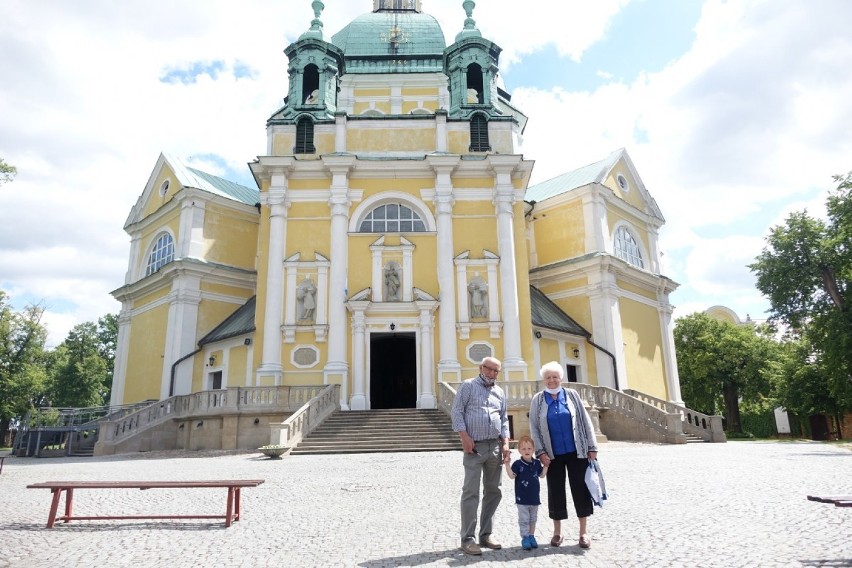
[337, 368]
[504, 199]
[278, 203]
[596, 225]
[359, 345]
[191, 238]
[122, 349]
[340, 132]
[670, 354]
[606, 328]
[426, 397]
[180, 335]
[441, 130]
[448, 356]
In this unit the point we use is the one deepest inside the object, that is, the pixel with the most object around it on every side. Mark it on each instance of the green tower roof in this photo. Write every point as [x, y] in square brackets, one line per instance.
[392, 42]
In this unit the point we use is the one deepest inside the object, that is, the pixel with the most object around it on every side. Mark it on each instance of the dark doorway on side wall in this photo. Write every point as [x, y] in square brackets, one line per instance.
[393, 370]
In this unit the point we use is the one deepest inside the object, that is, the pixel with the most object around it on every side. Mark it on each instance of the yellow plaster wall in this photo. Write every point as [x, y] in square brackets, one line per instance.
[549, 350]
[420, 92]
[560, 233]
[324, 143]
[501, 141]
[642, 338]
[401, 140]
[458, 142]
[152, 297]
[283, 143]
[644, 292]
[409, 106]
[155, 200]
[632, 196]
[145, 356]
[228, 239]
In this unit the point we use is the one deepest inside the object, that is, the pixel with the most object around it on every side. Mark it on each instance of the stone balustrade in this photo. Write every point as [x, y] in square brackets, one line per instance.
[302, 422]
[220, 403]
[615, 414]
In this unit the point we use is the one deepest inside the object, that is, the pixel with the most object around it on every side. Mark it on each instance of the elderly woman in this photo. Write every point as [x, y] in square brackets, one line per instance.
[565, 442]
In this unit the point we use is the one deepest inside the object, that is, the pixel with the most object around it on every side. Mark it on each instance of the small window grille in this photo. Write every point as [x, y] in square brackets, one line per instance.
[479, 134]
[304, 137]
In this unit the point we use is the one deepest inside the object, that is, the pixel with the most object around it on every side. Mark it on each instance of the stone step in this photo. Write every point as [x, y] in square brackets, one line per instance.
[392, 430]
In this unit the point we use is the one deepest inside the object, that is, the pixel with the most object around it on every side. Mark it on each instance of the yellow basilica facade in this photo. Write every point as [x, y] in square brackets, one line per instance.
[392, 240]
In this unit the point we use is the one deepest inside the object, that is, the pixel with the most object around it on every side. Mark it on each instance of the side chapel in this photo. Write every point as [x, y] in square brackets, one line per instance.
[392, 240]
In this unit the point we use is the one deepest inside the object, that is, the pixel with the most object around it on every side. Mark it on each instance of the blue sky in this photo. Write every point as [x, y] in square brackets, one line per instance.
[735, 114]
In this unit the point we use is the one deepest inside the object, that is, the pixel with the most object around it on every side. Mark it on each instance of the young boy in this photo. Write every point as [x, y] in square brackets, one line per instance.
[526, 473]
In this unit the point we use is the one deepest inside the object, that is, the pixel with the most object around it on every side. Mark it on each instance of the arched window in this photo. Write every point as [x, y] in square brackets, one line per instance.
[310, 85]
[479, 134]
[304, 136]
[475, 94]
[626, 247]
[162, 253]
[392, 218]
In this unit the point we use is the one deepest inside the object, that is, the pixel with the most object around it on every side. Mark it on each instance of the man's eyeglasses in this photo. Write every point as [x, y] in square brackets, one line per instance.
[492, 369]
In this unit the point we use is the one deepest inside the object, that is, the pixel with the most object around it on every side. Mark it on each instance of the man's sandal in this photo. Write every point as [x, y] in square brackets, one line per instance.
[556, 540]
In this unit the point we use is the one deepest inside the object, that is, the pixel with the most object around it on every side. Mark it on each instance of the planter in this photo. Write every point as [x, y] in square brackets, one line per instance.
[273, 452]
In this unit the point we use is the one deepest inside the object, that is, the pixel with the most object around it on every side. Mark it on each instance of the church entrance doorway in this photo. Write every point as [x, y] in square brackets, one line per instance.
[393, 370]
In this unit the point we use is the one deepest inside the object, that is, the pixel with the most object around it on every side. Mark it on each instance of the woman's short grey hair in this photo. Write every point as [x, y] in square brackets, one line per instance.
[552, 366]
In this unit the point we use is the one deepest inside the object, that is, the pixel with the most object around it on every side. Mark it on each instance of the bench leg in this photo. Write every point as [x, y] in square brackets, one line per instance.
[69, 503]
[237, 504]
[229, 510]
[54, 505]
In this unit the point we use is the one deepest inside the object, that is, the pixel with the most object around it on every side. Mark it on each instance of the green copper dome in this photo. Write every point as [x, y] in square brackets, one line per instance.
[392, 42]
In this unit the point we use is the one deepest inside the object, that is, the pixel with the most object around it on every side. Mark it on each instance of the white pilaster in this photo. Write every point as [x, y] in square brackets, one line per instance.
[426, 393]
[278, 203]
[122, 349]
[337, 369]
[504, 199]
[670, 355]
[180, 335]
[359, 346]
[443, 167]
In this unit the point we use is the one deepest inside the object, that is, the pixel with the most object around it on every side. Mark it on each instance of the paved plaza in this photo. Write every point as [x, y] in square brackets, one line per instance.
[696, 505]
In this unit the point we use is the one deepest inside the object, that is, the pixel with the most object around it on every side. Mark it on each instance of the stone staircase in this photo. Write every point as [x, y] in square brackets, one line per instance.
[381, 431]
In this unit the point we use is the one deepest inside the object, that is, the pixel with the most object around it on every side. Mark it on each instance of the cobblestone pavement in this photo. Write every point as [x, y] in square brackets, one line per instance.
[696, 505]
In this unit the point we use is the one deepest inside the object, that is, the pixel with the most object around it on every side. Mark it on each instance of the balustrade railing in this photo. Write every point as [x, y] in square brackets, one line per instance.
[671, 420]
[205, 403]
[317, 408]
[704, 426]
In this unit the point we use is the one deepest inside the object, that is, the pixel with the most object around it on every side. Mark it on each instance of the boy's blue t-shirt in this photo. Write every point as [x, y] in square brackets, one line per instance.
[527, 487]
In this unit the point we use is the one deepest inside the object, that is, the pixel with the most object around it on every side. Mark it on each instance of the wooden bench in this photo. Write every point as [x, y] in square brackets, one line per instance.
[232, 509]
[838, 500]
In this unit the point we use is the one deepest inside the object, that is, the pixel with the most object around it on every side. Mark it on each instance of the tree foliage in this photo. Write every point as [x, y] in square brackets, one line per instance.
[7, 172]
[719, 363]
[78, 373]
[805, 270]
[22, 361]
[82, 365]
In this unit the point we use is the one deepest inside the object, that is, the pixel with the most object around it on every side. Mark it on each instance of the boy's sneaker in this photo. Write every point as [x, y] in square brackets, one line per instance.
[525, 543]
[533, 543]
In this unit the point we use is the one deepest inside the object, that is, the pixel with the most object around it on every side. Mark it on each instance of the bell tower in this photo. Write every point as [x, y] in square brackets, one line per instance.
[314, 70]
[471, 64]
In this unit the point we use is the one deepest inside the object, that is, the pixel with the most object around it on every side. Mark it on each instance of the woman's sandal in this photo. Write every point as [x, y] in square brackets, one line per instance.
[556, 540]
[585, 541]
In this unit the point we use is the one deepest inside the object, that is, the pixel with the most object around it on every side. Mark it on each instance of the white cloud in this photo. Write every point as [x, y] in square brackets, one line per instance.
[754, 116]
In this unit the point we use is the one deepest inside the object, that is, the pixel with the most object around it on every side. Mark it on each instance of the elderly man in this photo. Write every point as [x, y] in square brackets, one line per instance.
[480, 417]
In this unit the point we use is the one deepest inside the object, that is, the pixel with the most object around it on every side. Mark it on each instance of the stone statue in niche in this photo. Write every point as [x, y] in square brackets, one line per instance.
[313, 98]
[392, 283]
[306, 298]
[477, 292]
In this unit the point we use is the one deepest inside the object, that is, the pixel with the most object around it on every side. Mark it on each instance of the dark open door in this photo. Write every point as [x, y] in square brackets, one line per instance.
[393, 370]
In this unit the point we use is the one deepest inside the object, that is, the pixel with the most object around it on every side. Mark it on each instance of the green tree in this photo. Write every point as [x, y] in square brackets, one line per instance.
[719, 363]
[81, 366]
[7, 172]
[805, 270]
[22, 361]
